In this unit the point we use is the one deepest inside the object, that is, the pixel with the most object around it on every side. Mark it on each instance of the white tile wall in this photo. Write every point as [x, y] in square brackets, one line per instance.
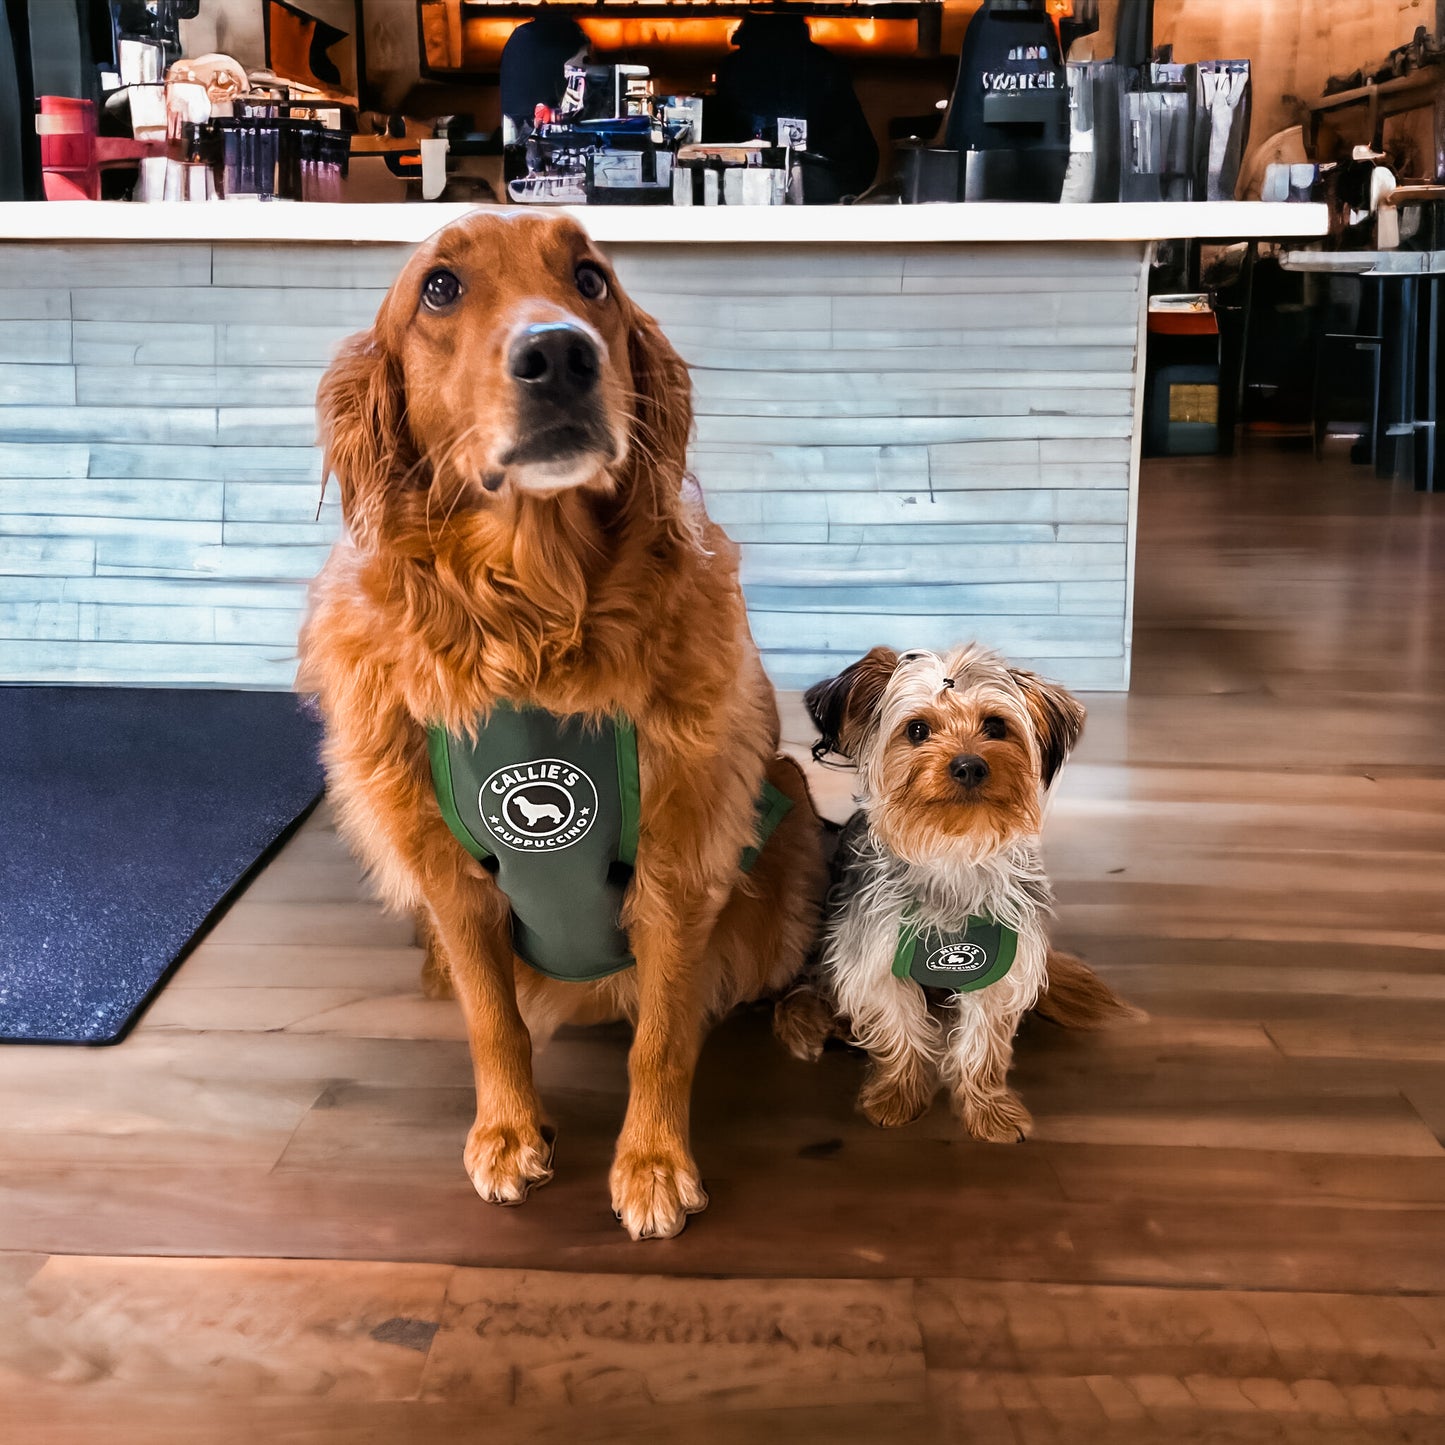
[914, 445]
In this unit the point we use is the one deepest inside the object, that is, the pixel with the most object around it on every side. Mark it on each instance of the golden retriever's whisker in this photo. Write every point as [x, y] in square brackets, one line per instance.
[451, 509]
[570, 526]
[446, 467]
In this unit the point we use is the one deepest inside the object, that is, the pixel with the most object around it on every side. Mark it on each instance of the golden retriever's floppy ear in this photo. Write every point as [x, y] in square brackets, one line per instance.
[361, 408]
[843, 708]
[1058, 718]
[664, 399]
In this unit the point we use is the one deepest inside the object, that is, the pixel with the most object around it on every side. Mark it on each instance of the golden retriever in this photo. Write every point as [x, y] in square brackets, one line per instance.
[509, 438]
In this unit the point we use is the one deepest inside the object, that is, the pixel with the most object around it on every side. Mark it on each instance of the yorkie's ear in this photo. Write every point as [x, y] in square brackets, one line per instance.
[1058, 718]
[843, 707]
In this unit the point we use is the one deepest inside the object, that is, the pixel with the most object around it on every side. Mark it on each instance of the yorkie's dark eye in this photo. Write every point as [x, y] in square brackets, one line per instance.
[591, 283]
[440, 290]
[995, 728]
[918, 731]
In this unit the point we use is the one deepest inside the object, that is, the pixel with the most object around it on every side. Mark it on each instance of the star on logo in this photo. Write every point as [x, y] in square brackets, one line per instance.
[494, 818]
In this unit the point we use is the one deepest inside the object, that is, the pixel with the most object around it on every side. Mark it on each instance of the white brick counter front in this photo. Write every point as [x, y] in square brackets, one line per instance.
[921, 423]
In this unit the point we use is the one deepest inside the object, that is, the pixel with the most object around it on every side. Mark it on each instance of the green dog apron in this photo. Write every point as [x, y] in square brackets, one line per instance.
[981, 954]
[550, 806]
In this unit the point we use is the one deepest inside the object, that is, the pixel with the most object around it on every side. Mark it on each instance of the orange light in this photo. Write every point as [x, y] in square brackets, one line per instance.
[1059, 11]
[709, 32]
[479, 46]
[871, 34]
[698, 32]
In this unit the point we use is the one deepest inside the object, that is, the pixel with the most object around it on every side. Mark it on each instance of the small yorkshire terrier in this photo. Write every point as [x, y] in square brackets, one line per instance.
[936, 942]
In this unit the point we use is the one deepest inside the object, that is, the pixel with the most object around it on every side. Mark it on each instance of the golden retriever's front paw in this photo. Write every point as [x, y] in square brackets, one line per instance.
[653, 1193]
[504, 1163]
[995, 1118]
[895, 1097]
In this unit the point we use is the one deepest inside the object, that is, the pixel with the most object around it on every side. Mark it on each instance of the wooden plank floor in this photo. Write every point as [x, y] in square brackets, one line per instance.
[250, 1222]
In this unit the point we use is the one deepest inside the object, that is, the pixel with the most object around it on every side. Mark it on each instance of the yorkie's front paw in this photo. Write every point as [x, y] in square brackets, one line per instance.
[804, 1021]
[995, 1118]
[894, 1097]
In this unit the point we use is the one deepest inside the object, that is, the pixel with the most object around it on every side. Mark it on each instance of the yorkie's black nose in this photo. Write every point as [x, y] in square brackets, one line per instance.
[969, 769]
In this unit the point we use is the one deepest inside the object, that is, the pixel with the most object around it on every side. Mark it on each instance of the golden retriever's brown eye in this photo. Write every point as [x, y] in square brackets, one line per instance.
[591, 282]
[918, 731]
[995, 728]
[440, 290]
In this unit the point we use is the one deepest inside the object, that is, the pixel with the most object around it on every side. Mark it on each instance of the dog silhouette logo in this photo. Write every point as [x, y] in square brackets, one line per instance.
[539, 806]
[958, 958]
[536, 813]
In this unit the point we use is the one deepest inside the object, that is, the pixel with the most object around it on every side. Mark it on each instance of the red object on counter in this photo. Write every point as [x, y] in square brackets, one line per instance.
[72, 155]
[67, 148]
[1183, 323]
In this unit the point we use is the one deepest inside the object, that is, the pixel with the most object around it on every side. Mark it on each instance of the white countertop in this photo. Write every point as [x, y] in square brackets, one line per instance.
[849, 225]
[1367, 263]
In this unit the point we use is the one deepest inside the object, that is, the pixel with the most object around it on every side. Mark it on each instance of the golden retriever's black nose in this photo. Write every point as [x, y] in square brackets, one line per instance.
[969, 769]
[555, 361]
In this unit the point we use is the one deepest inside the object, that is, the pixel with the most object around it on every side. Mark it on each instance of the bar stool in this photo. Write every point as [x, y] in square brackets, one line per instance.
[1410, 390]
[1411, 380]
[1348, 367]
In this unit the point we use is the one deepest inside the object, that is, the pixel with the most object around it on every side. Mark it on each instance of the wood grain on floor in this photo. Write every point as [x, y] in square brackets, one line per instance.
[249, 1221]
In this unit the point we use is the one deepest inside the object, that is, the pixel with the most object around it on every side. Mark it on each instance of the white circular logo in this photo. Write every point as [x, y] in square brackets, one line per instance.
[958, 958]
[538, 807]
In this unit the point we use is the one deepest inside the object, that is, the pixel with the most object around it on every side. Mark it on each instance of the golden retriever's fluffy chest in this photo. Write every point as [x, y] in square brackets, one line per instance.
[449, 650]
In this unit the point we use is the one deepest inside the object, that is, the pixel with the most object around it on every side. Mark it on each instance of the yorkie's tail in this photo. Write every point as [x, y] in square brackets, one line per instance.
[1075, 997]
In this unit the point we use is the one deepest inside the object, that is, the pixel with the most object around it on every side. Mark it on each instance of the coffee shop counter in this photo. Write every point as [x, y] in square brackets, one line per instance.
[921, 423]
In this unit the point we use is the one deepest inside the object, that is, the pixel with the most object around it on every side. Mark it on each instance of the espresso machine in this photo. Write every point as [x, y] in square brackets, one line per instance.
[1009, 118]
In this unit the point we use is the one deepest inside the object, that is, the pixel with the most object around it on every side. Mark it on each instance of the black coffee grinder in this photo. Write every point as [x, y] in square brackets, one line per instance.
[1010, 108]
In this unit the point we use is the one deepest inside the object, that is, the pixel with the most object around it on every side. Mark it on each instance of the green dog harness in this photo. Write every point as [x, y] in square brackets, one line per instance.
[960, 962]
[550, 806]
